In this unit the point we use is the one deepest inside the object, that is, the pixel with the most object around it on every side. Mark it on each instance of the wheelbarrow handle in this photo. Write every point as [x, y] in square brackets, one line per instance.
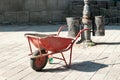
[61, 28]
[80, 32]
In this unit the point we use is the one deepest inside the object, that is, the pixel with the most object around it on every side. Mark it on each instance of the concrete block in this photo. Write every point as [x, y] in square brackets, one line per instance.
[113, 8]
[10, 17]
[113, 13]
[119, 19]
[35, 17]
[76, 13]
[118, 13]
[78, 7]
[41, 5]
[22, 17]
[62, 4]
[77, 2]
[44, 16]
[29, 5]
[114, 20]
[110, 3]
[38, 17]
[57, 16]
[52, 4]
[16, 5]
[102, 4]
[93, 2]
[11, 5]
[118, 4]
[2, 6]
[1, 18]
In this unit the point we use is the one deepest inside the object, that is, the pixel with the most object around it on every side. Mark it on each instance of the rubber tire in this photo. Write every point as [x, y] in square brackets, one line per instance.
[38, 64]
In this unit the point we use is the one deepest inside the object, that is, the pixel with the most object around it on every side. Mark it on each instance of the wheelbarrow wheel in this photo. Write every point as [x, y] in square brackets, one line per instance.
[38, 63]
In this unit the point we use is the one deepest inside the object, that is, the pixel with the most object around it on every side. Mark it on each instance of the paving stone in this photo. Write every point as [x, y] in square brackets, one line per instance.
[100, 62]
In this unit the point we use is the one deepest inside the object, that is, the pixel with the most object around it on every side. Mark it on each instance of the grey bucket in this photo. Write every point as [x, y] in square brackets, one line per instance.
[73, 26]
[99, 26]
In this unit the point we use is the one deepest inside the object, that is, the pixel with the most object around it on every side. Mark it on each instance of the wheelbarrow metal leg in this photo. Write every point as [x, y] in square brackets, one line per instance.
[30, 47]
[70, 57]
[64, 59]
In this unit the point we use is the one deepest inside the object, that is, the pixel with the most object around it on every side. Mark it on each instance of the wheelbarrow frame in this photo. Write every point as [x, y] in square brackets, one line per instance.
[29, 35]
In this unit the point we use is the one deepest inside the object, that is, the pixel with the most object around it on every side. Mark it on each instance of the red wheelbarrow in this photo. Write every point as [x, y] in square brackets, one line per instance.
[48, 45]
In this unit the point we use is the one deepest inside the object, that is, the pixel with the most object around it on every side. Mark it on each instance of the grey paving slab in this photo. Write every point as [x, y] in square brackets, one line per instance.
[100, 62]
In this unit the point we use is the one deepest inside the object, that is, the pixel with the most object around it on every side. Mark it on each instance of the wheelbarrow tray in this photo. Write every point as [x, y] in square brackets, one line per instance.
[50, 42]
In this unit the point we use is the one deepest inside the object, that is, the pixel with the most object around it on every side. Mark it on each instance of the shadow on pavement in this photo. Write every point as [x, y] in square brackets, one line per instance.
[87, 66]
[42, 28]
[36, 28]
[108, 43]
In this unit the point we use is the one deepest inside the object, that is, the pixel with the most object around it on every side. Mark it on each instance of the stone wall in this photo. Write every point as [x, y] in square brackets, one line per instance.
[45, 11]
[109, 9]
[33, 11]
